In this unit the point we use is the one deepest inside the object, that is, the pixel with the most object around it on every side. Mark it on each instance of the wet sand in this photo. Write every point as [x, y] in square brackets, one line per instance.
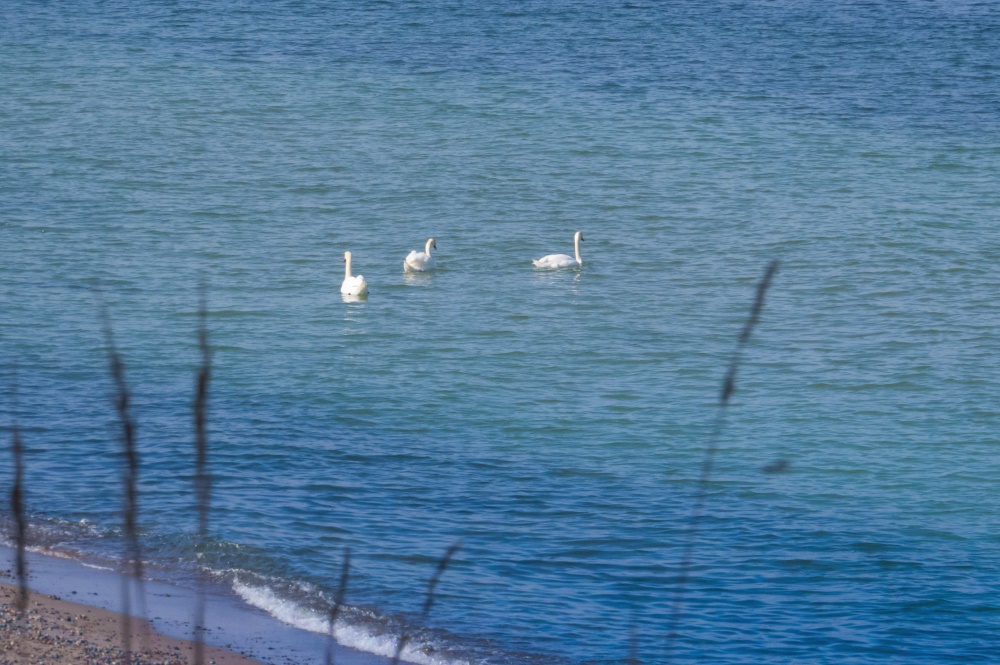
[230, 624]
[53, 630]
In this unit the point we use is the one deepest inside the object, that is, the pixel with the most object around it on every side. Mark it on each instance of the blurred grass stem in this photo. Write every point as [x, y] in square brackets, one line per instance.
[697, 512]
[202, 478]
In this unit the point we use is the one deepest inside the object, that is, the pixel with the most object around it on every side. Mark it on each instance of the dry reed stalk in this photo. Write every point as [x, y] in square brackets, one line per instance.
[130, 480]
[17, 508]
[429, 600]
[697, 513]
[338, 603]
[633, 645]
[202, 478]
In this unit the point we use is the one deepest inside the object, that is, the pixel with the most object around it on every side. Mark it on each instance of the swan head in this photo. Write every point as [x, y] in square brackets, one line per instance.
[578, 236]
[347, 257]
[434, 243]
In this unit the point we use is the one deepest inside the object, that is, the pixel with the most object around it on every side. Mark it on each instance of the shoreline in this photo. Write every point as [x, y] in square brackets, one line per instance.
[69, 587]
[55, 630]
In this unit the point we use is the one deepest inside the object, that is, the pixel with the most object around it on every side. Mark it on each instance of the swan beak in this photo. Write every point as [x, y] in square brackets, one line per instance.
[434, 245]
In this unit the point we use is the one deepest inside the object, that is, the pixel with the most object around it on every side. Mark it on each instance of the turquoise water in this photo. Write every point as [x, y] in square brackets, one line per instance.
[553, 422]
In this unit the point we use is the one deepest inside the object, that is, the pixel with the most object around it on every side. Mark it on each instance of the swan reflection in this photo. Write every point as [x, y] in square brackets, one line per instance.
[418, 278]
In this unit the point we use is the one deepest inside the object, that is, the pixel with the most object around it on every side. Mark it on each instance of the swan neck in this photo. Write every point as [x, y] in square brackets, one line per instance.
[427, 247]
[347, 266]
[576, 245]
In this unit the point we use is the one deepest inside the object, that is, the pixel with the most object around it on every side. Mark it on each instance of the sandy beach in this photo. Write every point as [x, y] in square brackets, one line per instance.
[74, 618]
[53, 630]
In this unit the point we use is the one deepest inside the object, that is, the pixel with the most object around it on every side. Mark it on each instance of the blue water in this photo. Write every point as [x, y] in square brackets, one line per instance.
[553, 422]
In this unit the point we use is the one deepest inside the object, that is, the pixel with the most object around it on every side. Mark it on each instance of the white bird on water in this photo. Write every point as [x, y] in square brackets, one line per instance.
[354, 285]
[420, 261]
[562, 260]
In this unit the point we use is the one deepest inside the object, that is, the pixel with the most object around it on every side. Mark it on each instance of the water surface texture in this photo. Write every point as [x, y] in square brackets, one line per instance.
[553, 422]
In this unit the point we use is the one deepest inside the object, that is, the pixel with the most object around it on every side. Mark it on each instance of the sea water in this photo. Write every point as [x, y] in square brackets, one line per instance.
[553, 423]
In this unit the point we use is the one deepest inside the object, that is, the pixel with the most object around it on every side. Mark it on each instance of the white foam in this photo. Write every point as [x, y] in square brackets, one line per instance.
[96, 567]
[348, 635]
[283, 610]
[49, 551]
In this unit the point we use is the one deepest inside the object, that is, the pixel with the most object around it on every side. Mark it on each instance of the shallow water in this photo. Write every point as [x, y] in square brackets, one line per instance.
[554, 423]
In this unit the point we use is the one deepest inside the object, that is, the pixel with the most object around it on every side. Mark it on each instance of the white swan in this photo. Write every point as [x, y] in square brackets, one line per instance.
[420, 261]
[353, 285]
[562, 260]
